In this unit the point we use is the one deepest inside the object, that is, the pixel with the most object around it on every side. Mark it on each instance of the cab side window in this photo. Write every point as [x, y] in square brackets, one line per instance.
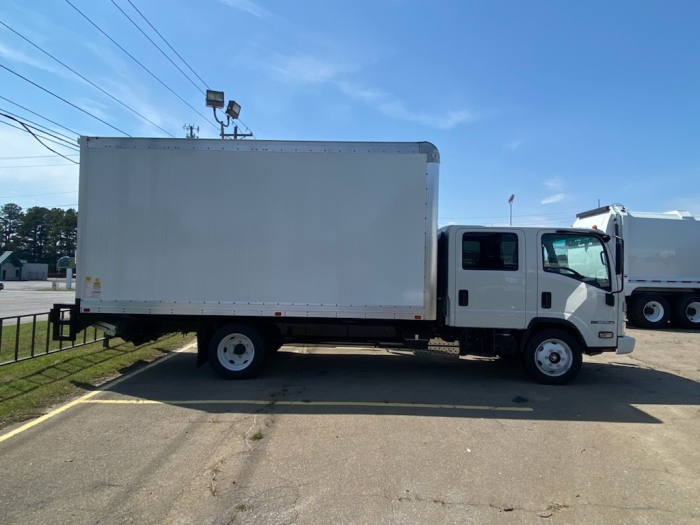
[579, 257]
[490, 251]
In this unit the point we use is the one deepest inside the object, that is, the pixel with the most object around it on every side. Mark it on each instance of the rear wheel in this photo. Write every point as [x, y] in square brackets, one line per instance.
[650, 310]
[236, 351]
[553, 357]
[686, 312]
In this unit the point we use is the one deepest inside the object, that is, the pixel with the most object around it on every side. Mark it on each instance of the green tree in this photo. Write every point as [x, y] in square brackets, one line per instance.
[33, 233]
[10, 218]
[69, 232]
[54, 240]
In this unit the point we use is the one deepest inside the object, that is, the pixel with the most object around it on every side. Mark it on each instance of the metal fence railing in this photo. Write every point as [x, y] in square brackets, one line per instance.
[25, 337]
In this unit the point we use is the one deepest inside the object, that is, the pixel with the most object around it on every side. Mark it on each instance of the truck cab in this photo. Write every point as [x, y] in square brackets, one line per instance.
[551, 293]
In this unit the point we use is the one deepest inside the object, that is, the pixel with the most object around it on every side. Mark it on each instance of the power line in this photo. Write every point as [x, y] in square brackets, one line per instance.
[69, 142]
[86, 80]
[59, 205]
[37, 138]
[140, 64]
[34, 166]
[38, 115]
[64, 100]
[157, 47]
[246, 127]
[173, 50]
[54, 132]
[62, 144]
[37, 194]
[34, 157]
[171, 47]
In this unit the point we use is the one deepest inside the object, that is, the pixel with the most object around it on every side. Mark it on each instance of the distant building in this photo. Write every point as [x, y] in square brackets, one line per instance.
[12, 268]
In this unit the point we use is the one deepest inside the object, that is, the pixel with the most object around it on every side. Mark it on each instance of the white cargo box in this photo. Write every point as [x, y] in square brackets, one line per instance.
[257, 228]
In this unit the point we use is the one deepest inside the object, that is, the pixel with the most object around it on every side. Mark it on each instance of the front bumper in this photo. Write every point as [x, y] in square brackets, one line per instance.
[625, 344]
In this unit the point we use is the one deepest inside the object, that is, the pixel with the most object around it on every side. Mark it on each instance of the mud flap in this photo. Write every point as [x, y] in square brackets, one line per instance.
[204, 333]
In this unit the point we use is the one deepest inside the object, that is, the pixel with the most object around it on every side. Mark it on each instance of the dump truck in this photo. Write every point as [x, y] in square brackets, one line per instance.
[258, 244]
[661, 263]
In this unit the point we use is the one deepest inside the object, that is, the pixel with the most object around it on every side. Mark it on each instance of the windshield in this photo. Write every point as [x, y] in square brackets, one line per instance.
[580, 257]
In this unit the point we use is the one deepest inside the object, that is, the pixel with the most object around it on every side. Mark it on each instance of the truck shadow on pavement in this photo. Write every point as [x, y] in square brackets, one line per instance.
[400, 384]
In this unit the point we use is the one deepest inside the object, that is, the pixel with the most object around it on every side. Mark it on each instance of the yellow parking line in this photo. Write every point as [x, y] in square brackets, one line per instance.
[89, 395]
[301, 403]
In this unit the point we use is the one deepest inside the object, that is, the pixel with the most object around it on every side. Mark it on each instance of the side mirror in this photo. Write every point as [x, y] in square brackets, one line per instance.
[619, 248]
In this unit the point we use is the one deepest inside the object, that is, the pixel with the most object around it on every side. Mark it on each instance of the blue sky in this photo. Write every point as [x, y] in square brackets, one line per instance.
[561, 103]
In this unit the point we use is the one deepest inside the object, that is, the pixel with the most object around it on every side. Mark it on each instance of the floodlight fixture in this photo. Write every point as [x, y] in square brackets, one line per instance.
[233, 109]
[215, 99]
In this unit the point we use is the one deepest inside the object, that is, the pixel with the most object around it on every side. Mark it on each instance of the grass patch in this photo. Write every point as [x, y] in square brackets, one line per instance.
[27, 388]
[257, 436]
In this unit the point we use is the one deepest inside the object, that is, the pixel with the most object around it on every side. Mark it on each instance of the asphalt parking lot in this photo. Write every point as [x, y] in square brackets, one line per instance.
[31, 297]
[364, 436]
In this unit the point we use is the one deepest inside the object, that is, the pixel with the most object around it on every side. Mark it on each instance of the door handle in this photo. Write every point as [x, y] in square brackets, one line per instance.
[463, 298]
[546, 299]
[609, 299]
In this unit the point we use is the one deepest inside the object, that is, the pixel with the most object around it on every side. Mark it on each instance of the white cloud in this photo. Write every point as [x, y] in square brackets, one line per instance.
[553, 198]
[139, 99]
[92, 106]
[249, 7]
[389, 105]
[18, 56]
[554, 184]
[514, 144]
[306, 68]
[310, 69]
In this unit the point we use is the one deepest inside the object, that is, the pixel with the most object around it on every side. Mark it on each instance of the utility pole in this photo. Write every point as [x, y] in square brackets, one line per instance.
[190, 131]
[237, 135]
[510, 202]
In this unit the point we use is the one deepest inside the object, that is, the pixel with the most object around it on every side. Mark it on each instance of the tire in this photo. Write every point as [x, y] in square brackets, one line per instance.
[651, 310]
[553, 357]
[236, 351]
[686, 312]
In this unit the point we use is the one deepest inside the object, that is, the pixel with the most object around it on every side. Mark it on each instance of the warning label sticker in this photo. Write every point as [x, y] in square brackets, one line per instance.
[87, 287]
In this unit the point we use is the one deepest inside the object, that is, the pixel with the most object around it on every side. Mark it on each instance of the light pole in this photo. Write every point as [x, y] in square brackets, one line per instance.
[215, 99]
[510, 203]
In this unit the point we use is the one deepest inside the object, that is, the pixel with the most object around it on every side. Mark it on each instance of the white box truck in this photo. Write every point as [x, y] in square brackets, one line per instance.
[258, 244]
[661, 263]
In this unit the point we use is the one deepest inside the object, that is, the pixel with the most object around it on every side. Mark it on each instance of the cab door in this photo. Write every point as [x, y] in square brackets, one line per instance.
[489, 285]
[574, 284]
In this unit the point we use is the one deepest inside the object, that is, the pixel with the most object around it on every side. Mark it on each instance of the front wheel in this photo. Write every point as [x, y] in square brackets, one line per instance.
[553, 357]
[236, 351]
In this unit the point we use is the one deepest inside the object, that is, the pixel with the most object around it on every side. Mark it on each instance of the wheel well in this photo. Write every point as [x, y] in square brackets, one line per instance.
[668, 294]
[538, 325]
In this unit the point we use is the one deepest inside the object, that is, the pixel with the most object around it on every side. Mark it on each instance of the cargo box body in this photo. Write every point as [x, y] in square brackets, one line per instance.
[662, 250]
[259, 228]
[661, 263]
